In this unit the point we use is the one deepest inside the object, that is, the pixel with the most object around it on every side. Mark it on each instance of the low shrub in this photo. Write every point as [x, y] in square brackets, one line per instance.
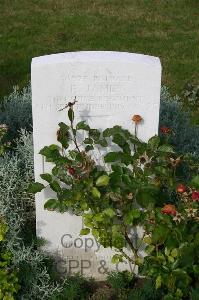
[75, 288]
[185, 136]
[16, 111]
[17, 206]
[9, 285]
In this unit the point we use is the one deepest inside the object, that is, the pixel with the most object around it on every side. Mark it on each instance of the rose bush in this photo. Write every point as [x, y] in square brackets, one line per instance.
[137, 185]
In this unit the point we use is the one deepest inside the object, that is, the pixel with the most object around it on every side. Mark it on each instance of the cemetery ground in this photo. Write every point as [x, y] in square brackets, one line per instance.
[167, 29]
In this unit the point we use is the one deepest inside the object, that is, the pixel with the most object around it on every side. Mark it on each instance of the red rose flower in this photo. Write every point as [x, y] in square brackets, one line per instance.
[165, 130]
[181, 188]
[71, 171]
[169, 209]
[195, 196]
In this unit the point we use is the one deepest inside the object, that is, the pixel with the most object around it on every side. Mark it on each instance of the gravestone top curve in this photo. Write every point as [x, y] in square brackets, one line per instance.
[95, 55]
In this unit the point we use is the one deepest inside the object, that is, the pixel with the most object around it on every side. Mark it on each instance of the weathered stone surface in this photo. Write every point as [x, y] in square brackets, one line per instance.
[110, 87]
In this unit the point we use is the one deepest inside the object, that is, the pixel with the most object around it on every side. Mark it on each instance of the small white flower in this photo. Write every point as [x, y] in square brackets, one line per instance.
[4, 126]
[178, 218]
[191, 212]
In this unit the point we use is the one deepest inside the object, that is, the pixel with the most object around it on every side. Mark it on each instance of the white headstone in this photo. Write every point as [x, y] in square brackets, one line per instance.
[110, 88]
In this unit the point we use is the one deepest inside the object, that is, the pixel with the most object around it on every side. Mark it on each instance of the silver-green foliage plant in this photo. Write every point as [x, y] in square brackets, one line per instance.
[16, 111]
[185, 136]
[8, 275]
[17, 207]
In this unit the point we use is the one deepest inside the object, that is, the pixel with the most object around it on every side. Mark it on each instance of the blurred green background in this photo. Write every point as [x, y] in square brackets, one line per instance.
[168, 29]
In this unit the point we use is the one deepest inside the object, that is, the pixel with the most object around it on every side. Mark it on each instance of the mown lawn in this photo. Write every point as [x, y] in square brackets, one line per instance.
[164, 28]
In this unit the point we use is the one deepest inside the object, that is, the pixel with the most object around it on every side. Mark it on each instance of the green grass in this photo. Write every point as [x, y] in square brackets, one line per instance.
[164, 28]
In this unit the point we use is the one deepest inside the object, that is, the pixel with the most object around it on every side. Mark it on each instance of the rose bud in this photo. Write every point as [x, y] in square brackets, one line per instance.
[195, 196]
[71, 171]
[130, 196]
[137, 119]
[169, 209]
[165, 130]
[181, 188]
[58, 134]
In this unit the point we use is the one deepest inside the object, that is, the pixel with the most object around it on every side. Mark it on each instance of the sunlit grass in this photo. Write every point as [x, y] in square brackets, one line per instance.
[168, 29]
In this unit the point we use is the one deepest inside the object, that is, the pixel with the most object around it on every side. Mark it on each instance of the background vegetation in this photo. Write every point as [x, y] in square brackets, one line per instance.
[168, 29]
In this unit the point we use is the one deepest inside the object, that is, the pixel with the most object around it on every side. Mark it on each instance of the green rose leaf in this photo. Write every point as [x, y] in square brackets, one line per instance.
[112, 157]
[196, 269]
[119, 140]
[50, 152]
[147, 240]
[98, 217]
[117, 169]
[63, 135]
[167, 251]
[107, 132]
[95, 233]
[55, 186]
[160, 234]
[82, 125]
[117, 258]
[158, 282]
[131, 216]
[154, 142]
[88, 148]
[96, 193]
[166, 149]
[103, 143]
[145, 197]
[35, 187]
[139, 261]
[85, 231]
[47, 177]
[94, 134]
[174, 252]
[51, 204]
[103, 180]
[71, 114]
[170, 259]
[55, 171]
[195, 182]
[149, 249]
[161, 170]
[109, 212]
[88, 141]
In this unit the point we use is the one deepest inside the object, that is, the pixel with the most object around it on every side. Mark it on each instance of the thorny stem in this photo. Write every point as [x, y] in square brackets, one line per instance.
[70, 105]
[130, 243]
[136, 129]
[128, 240]
[127, 257]
[74, 137]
